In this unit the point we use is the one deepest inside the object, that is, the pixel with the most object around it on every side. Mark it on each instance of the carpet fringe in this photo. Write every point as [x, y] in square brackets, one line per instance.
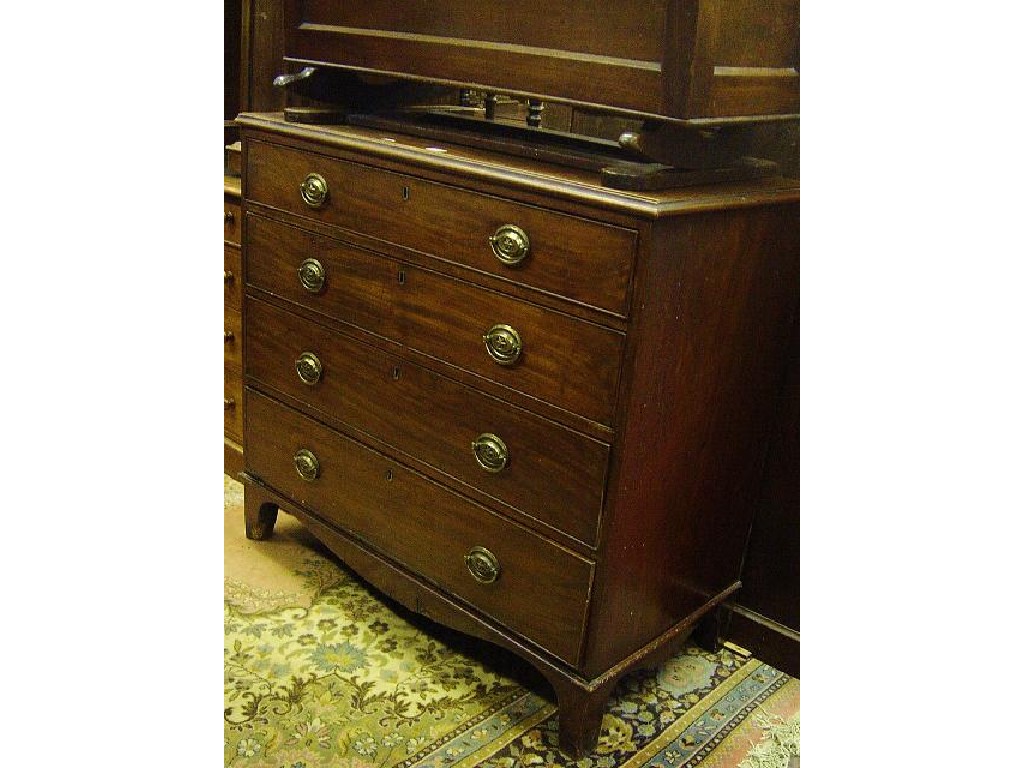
[780, 742]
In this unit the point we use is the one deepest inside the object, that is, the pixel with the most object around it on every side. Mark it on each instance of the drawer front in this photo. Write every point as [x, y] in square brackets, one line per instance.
[232, 277]
[233, 340]
[233, 404]
[541, 590]
[542, 468]
[233, 374]
[565, 361]
[577, 258]
[232, 222]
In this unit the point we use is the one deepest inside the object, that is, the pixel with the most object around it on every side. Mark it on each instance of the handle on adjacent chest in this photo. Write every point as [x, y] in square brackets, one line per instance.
[309, 368]
[510, 244]
[307, 465]
[490, 452]
[503, 344]
[483, 565]
[314, 191]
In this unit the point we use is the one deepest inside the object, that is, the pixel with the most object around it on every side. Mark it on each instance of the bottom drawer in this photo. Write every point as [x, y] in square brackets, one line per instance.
[527, 583]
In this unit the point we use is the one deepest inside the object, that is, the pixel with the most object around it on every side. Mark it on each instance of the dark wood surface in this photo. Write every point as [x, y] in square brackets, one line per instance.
[233, 287]
[452, 224]
[581, 700]
[684, 59]
[262, 55]
[233, 68]
[684, 387]
[764, 616]
[542, 590]
[554, 474]
[715, 296]
[232, 276]
[557, 188]
[771, 569]
[566, 362]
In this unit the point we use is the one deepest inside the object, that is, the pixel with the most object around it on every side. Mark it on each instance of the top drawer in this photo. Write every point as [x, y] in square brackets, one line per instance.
[580, 259]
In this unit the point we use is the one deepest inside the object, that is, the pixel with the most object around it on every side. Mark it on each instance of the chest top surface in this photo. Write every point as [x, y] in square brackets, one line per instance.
[515, 174]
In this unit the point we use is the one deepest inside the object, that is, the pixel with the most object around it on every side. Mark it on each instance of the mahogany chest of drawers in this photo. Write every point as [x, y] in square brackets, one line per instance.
[528, 407]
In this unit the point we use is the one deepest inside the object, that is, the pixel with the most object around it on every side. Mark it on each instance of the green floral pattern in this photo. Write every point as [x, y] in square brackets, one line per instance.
[347, 678]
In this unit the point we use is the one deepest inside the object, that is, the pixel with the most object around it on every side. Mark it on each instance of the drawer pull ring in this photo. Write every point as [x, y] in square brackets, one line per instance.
[229, 216]
[503, 344]
[483, 565]
[307, 465]
[229, 276]
[314, 190]
[229, 402]
[312, 275]
[309, 368]
[510, 244]
[228, 336]
[491, 452]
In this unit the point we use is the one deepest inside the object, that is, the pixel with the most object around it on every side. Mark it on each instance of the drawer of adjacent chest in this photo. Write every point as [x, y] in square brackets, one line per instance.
[547, 471]
[233, 403]
[581, 259]
[232, 277]
[232, 222]
[555, 357]
[233, 373]
[523, 581]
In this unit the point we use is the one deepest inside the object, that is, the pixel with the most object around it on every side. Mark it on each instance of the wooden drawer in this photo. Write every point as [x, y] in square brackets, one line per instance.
[580, 259]
[565, 361]
[232, 277]
[232, 222]
[233, 404]
[542, 590]
[551, 473]
[233, 340]
[233, 374]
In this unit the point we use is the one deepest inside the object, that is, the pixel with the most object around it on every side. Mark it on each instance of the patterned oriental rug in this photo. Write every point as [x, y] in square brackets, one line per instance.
[322, 670]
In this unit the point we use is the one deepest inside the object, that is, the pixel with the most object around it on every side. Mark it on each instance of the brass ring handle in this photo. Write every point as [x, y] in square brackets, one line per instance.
[483, 565]
[229, 402]
[490, 452]
[314, 190]
[229, 276]
[309, 368]
[228, 336]
[229, 216]
[312, 275]
[510, 244]
[307, 465]
[503, 344]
